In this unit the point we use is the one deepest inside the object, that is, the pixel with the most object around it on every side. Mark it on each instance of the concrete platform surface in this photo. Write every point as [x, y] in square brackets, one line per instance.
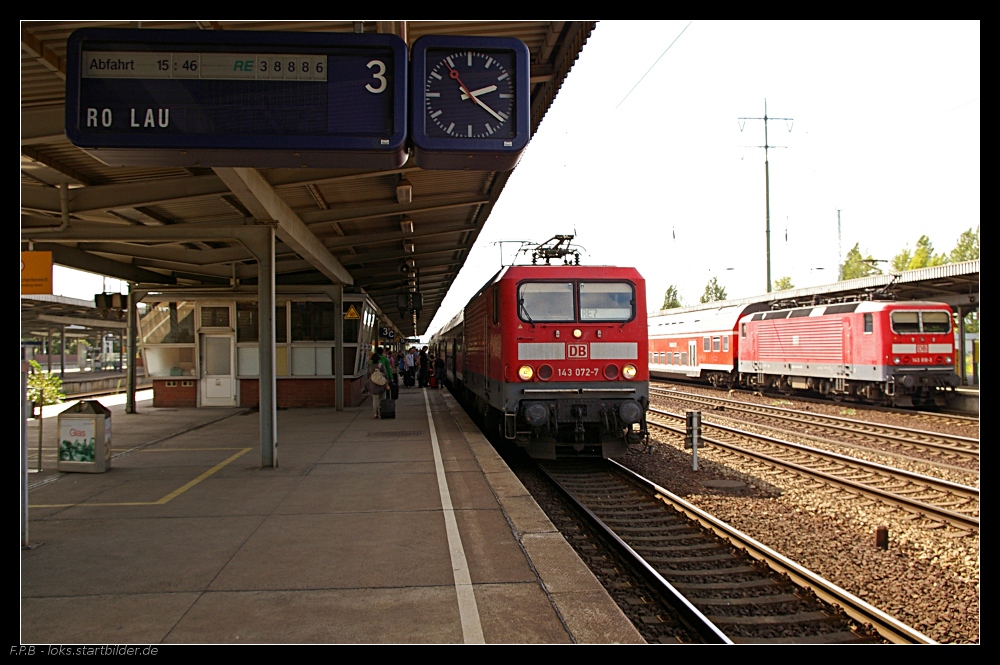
[369, 531]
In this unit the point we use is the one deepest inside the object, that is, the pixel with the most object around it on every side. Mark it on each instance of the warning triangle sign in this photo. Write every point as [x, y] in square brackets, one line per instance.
[352, 313]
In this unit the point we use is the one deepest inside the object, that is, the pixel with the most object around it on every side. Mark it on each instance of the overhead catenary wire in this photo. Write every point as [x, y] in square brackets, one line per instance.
[654, 64]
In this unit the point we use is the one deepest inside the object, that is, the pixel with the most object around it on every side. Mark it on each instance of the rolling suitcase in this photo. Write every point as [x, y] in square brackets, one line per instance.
[388, 409]
[394, 390]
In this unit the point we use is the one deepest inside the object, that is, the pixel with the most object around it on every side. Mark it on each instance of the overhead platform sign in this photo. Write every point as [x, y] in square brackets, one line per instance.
[237, 98]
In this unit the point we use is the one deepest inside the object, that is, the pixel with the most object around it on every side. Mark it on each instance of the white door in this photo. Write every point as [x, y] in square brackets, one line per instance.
[218, 383]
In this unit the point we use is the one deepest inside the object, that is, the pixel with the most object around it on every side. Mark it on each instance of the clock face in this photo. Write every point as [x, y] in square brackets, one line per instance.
[470, 94]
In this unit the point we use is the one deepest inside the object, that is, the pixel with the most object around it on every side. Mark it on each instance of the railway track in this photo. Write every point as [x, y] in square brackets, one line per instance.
[728, 587]
[938, 500]
[940, 449]
[944, 418]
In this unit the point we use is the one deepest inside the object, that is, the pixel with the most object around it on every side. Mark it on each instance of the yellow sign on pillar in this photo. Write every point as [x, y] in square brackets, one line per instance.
[36, 273]
[352, 313]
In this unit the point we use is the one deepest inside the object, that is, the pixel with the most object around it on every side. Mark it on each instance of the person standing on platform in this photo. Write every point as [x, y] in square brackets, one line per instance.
[439, 370]
[390, 375]
[424, 368]
[411, 363]
[376, 389]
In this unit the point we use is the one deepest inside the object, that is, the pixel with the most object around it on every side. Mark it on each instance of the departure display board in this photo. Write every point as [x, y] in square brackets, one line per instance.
[237, 98]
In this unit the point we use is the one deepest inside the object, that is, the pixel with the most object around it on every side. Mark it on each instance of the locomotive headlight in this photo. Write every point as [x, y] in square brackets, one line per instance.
[577, 333]
[526, 372]
[948, 360]
[629, 371]
[895, 360]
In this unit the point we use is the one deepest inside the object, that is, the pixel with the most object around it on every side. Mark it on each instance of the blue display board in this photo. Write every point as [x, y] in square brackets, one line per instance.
[237, 98]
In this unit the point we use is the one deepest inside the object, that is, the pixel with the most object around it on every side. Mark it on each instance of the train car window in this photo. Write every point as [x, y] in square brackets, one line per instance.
[606, 301]
[868, 323]
[905, 322]
[651, 360]
[841, 309]
[706, 343]
[743, 330]
[684, 358]
[725, 343]
[716, 343]
[936, 322]
[545, 301]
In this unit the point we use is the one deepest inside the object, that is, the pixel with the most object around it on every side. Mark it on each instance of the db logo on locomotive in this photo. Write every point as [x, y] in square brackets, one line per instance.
[576, 350]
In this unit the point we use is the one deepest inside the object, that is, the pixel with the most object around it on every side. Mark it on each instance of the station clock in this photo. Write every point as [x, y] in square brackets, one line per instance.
[470, 102]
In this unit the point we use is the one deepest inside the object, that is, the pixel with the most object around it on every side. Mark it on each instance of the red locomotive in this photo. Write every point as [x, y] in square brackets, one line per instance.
[552, 357]
[896, 353]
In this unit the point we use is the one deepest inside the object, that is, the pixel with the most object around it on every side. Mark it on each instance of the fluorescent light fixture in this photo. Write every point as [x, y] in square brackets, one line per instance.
[409, 247]
[406, 225]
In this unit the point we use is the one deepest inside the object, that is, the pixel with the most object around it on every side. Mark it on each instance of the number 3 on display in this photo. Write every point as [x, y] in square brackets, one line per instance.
[379, 76]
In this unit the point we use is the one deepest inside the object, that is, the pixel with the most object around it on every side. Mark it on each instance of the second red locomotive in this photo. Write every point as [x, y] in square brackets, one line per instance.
[553, 357]
[886, 352]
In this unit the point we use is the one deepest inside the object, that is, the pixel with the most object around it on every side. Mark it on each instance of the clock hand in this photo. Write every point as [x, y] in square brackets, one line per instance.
[481, 91]
[453, 73]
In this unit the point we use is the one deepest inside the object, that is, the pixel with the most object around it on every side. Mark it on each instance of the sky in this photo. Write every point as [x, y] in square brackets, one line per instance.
[643, 155]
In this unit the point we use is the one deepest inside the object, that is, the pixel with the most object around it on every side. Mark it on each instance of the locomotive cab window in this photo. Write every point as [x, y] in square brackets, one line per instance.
[905, 322]
[935, 322]
[606, 301]
[545, 301]
[868, 323]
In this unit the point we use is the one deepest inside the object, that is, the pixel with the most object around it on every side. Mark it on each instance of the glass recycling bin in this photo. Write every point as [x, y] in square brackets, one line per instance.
[85, 438]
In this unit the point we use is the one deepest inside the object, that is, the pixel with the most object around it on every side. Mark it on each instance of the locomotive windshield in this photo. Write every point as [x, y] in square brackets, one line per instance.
[556, 301]
[605, 301]
[920, 322]
[545, 301]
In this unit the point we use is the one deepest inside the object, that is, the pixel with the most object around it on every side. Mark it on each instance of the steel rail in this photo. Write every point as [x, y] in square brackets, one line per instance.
[890, 628]
[697, 621]
[919, 507]
[896, 433]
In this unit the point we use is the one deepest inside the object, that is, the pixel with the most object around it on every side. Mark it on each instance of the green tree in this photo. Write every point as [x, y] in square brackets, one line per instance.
[856, 265]
[783, 284]
[921, 257]
[44, 387]
[967, 248]
[713, 291]
[671, 298]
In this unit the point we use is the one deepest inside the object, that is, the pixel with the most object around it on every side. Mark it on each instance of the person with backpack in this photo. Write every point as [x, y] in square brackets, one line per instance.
[378, 382]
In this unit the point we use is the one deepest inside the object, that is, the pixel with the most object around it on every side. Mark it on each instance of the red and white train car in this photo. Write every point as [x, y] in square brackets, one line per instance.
[698, 342]
[901, 353]
[553, 357]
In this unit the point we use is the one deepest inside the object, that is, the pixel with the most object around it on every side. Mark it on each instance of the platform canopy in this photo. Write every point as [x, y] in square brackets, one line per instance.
[382, 230]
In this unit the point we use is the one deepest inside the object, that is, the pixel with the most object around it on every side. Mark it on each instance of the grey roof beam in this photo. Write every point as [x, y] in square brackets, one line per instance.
[360, 213]
[260, 198]
[104, 197]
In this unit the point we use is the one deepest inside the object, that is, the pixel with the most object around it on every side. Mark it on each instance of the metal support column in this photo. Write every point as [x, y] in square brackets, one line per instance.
[336, 294]
[261, 244]
[132, 320]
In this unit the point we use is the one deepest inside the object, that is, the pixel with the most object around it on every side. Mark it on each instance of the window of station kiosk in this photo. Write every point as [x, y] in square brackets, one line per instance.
[167, 333]
[304, 338]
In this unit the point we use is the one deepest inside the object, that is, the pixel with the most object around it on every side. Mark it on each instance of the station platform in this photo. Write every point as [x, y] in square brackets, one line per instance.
[369, 531]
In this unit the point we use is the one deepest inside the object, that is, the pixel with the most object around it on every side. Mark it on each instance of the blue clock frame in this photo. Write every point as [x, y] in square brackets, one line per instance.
[451, 128]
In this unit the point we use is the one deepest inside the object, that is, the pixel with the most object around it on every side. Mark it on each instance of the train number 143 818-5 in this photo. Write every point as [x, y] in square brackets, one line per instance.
[577, 371]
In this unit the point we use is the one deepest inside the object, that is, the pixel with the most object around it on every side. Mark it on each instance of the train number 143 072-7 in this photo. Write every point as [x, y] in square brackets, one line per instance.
[577, 371]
